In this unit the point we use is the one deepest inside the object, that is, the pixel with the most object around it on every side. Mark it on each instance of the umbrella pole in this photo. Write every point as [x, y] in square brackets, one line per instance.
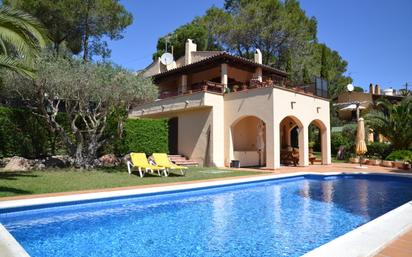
[360, 161]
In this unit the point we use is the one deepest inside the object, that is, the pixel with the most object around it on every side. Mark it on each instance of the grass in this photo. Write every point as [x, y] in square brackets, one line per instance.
[334, 160]
[53, 181]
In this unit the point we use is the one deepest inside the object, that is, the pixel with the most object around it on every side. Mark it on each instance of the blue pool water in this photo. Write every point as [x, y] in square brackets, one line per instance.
[287, 217]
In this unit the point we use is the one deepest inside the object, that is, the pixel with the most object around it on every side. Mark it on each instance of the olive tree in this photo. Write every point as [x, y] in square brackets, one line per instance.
[86, 93]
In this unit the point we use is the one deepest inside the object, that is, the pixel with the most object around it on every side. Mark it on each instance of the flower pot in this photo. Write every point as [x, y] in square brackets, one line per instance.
[398, 164]
[354, 160]
[364, 160]
[374, 162]
[387, 163]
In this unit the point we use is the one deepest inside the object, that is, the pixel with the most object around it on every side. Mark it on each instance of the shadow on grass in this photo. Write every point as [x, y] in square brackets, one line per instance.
[155, 175]
[16, 175]
[14, 190]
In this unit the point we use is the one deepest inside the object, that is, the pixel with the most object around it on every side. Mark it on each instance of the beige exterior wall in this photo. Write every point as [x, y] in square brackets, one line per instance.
[257, 103]
[305, 110]
[206, 123]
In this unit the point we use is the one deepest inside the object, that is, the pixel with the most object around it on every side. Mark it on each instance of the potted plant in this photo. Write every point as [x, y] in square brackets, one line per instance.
[235, 88]
[354, 159]
[399, 157]
[386, 163]
[374, 162]
[398, 164]
[364, 160]
[407, 165]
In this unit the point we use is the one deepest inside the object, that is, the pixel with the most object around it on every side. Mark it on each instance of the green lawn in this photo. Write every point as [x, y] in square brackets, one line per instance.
[39, 182]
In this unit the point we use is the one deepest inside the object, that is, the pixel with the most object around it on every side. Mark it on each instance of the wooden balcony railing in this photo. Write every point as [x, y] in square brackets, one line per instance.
[207, 86]
[317, 88]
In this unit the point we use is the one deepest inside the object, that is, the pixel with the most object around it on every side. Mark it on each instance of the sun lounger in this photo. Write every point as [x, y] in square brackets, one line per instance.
[139, 161]
[161, 159]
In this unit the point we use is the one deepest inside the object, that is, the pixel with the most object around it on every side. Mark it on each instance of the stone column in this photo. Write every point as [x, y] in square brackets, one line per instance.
[303, 146]
[325, 146]
[272, 145]
[184, 83]
[223, 74]
[258, 74]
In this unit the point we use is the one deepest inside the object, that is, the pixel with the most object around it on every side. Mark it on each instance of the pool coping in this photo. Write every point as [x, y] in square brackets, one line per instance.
[365, 240]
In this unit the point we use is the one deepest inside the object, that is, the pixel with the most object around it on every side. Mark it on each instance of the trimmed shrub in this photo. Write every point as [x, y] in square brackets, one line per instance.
[23, 134]
[378, 150]
[400, 155]
[146, 136]
[338, 139]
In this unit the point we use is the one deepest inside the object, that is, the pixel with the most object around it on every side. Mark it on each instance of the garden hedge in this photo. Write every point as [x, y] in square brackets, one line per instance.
[146, 136]
[378, 150]
[400, 155]
[23, 134]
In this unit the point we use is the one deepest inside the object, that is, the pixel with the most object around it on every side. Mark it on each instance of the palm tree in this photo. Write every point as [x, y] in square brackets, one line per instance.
[394, 121]
[21, 39]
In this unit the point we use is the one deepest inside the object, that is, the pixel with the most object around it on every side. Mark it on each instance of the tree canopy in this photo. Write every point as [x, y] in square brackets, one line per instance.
[282, 31]
[79, 25]
[86, 93]
[394, 121]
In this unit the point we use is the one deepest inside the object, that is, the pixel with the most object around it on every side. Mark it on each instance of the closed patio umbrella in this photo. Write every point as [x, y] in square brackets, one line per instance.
[360, 140]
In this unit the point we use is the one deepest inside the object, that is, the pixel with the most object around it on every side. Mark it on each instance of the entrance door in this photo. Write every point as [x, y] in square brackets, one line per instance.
[173, 135]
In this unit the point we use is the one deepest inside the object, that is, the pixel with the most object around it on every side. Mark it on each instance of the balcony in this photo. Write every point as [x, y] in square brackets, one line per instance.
[318, 88]
[204, 86]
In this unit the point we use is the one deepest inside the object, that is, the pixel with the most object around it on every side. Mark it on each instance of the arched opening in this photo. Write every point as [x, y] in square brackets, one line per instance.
[249, 141]
[291, 141]
[317, 142]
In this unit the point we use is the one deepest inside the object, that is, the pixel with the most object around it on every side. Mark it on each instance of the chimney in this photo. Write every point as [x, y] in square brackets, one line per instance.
[377, 89]
[371, 89]
[189, 48]
[258, 56]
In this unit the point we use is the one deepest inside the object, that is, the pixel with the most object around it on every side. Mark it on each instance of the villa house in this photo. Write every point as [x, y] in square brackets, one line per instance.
[223, 107]
[367, 101]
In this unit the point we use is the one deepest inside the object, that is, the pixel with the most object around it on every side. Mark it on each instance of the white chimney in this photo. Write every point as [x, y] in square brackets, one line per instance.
[189, 48]
[258, 56]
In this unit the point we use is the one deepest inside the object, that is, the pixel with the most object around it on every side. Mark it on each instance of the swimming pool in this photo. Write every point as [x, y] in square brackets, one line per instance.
[282, 217]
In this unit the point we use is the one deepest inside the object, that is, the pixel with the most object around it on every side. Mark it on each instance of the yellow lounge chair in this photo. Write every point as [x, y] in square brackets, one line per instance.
[162, 160]
[139, 161]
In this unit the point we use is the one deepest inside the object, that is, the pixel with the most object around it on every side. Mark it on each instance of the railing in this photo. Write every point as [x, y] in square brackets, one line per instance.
[207, 86]
[318, 88]
[204, 86]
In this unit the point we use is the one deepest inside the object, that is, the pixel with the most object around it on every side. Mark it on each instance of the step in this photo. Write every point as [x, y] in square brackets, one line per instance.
[182, 160]
[187, 163]
[177, 158]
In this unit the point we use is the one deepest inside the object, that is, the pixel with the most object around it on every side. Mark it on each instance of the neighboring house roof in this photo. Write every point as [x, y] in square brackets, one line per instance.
[390, 98]
[219, 57]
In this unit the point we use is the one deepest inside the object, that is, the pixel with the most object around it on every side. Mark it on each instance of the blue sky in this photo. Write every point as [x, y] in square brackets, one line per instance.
[374, 36]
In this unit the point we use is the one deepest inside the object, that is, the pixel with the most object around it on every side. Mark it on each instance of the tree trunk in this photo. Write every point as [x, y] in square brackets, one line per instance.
[86, 33]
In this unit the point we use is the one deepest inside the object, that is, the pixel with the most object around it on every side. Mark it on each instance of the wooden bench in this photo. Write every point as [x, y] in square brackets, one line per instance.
[289, 157]
[313, 159]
